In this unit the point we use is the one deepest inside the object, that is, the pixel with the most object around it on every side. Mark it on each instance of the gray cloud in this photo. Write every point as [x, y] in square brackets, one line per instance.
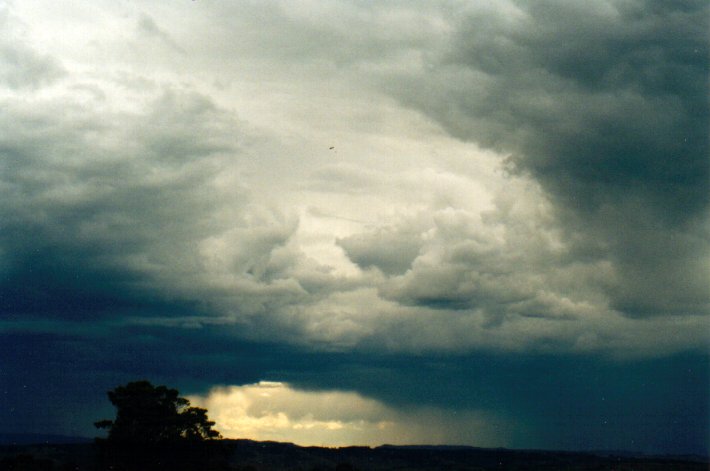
[501, 266]
[169, 197]
[345, 179]
[23, 66]
[392, 250]
[149, 29]
[605, 105]
[120, 214]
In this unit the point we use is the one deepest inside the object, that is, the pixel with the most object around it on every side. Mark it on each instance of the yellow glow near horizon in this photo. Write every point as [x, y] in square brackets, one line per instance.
[276, 411]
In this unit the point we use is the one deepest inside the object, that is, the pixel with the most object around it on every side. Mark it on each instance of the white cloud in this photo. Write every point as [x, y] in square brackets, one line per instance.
[277, 411]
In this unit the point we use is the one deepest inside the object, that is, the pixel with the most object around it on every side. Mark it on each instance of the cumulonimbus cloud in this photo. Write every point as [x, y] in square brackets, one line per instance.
[125, 192]
[605, 106]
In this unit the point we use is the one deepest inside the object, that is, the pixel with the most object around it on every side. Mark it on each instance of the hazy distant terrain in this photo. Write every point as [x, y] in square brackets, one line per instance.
[243, 455]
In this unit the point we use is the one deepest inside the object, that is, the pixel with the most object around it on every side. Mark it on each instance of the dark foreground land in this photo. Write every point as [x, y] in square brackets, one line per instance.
[243, 455]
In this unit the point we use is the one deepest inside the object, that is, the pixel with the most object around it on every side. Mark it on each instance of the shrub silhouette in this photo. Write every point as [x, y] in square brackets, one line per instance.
[149, 414]
[156, 429]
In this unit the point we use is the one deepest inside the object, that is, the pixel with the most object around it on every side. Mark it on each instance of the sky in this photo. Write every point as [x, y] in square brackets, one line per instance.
[356, 222]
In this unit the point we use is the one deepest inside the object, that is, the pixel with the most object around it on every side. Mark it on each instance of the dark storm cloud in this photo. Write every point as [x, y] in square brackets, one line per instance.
[136, 239]
[559, 401]
[58, 381]
[563, 402]
[605, 104]
[129, 215]
[81, 216]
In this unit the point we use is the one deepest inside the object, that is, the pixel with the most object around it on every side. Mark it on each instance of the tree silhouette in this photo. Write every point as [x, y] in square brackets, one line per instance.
[153, 415]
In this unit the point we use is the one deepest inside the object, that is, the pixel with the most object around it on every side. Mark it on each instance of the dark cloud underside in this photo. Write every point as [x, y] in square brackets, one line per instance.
[553, 401]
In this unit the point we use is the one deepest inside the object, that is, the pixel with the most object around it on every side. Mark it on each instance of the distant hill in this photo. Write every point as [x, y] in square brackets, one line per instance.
[248, 455]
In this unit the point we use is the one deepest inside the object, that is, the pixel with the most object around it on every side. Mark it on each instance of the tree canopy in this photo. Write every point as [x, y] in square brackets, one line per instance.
[150, 414]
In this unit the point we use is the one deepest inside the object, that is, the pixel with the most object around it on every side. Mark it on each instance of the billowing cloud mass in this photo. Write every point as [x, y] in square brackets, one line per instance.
[601, 105]
[415, 182]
